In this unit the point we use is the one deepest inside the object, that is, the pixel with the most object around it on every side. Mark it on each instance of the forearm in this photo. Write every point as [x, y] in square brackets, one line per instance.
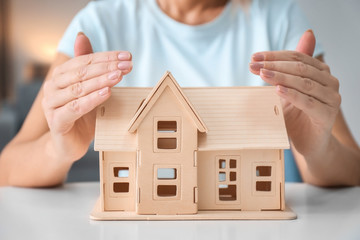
[338, 165]
[32, 164]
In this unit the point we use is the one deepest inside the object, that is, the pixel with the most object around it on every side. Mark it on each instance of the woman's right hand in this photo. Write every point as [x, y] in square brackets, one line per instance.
[73, 92]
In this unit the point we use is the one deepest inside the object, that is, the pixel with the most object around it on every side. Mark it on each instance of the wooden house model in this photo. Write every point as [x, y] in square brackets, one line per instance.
[171, 153]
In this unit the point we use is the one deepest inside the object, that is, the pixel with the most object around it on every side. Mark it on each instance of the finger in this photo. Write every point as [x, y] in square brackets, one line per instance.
[100, 57]
[82, 45]
[315, 109]
[90, 71]
[80, 89]
[75, 109]
[307, 43]
[295, 68]
[306, 86]
[291, 56]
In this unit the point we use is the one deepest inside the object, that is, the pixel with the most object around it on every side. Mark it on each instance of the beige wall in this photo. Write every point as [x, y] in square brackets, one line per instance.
[167, 108]
[121, 200]
[247, 197]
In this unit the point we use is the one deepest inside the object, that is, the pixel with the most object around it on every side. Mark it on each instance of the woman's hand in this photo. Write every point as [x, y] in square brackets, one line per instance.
[73, 92]
[309, 93]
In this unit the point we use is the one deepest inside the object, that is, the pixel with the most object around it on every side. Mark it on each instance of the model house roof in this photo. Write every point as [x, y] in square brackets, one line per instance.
[234, 117]
[167, 81]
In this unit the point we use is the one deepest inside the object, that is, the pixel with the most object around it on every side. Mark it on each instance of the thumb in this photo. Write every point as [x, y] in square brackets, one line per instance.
[82, 45]
[307, 43]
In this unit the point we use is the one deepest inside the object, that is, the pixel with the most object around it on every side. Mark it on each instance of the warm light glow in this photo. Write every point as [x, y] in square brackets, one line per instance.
[49, 51]
[41, 50]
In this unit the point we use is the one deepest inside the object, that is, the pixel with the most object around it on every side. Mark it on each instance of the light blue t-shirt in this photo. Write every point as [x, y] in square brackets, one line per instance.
[212, 54]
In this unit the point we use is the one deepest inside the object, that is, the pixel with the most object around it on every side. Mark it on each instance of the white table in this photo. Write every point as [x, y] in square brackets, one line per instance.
[63, 213]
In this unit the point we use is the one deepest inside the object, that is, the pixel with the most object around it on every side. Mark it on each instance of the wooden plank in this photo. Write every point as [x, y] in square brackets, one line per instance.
[287, 214]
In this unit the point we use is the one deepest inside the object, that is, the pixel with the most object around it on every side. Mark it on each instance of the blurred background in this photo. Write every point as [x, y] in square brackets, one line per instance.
[30, 31]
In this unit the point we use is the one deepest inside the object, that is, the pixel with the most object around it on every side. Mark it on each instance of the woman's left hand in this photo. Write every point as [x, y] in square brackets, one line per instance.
[309, 93]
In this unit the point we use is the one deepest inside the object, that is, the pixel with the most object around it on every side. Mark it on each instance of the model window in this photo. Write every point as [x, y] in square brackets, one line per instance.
[121, 182]
[166, 190]
[263, 171]
[121, 187]
[166, 173]
[167, 126]
[264, 186]
[167, 143]
[166, 135]
[227, 192]
[121, 172]
[222, 176]
[263, 178]
[232, 176]
[227, 170]
[167, 182]
[222, 163]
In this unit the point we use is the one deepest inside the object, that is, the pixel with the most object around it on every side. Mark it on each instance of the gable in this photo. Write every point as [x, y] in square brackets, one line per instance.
[166, 83]
[166, 106]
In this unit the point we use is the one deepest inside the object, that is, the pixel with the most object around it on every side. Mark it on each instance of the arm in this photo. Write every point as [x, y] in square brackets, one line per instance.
[324, 149]
[339, 164]
[60, 125]
[28, 160]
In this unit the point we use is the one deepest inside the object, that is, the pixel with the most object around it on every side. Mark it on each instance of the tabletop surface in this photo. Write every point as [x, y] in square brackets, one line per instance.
[63, 213]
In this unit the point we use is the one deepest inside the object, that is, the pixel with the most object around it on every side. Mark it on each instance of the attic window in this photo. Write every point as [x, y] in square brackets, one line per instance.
[167, 126]
[167, 134]
[166, 143]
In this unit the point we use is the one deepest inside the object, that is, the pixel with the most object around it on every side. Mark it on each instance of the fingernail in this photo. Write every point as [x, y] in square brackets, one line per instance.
[104, 91]
[125, 65]
[124, 56]
[258, 57]
[256, 66]
[282, 89]
[114, 75]
[267, 73]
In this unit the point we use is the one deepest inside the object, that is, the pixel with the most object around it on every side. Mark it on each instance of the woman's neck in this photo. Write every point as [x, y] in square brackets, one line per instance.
[192, 12]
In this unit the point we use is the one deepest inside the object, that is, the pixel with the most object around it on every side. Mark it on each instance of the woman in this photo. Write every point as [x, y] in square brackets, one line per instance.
[204, 43]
